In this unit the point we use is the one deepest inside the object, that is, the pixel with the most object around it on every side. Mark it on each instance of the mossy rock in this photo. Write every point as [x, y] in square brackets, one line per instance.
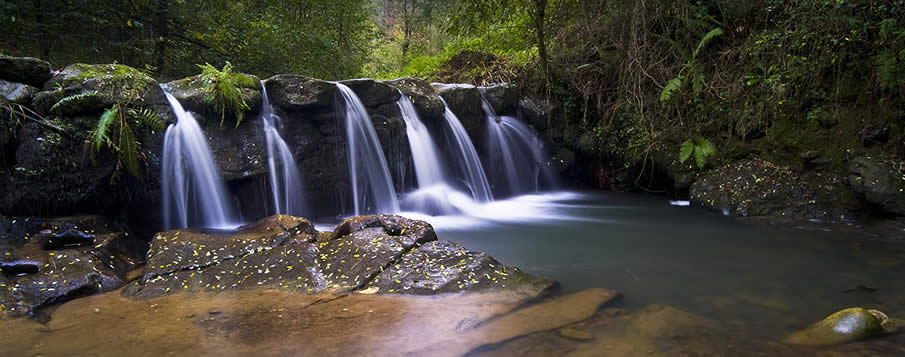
[190, 93]
[27, 70]
[844, 326]
[105, 85]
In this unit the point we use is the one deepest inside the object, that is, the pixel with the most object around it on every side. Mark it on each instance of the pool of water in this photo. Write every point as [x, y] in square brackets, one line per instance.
[760, 279]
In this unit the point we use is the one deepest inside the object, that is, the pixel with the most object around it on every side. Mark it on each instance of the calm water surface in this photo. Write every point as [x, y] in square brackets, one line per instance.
[766, 280]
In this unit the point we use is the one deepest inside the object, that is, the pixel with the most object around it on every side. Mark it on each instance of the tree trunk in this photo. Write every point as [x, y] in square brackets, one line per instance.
[539, 18]
[161, 34]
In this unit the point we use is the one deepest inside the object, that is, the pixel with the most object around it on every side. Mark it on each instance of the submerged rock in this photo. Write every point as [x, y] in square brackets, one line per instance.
[844, 326]
[376, 254]
[48, 261]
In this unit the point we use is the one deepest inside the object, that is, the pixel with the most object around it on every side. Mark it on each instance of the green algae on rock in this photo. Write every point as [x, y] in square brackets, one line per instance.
[844, 326]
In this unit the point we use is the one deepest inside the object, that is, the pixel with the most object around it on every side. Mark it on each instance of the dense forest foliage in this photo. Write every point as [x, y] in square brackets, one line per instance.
[702, 81]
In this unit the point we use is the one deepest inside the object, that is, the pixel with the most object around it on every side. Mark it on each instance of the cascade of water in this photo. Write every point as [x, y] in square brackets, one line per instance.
[516, 155]
[428, 168]
[467, 160]
[285, 183]
[372, 186]
[192, 190]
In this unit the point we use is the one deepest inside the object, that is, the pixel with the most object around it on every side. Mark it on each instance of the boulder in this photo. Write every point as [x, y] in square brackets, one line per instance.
[761, 188]
[423, 96]
[27, 70]
[17, 93]
[48, 261]
[102, 86]
[379, 253]
[533, 113]
[844, 326]
[881, 183]
[464, 100]
[373, 93]
[294, 93]
[502, 97]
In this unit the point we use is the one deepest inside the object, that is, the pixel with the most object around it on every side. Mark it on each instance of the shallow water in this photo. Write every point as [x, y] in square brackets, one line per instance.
[761, 280]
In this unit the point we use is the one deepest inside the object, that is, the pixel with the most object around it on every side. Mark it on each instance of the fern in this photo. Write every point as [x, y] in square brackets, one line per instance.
[223, 89]
[148, 119]
[685, 150]
[702, 149]
[706, 40]
[128, 148]
[73, 99]
[670, 88]
[103, 126]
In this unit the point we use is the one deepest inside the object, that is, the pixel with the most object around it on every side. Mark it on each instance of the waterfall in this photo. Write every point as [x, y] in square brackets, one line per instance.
[192, 190]
[515, 155]
[467, 161]
[424, 151]
[285, 183]
[372, 186]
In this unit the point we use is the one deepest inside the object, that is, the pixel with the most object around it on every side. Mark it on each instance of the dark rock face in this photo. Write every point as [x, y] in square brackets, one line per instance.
[881, 183]
[423, 96]
[380, 253]
[27, 70]
[760, 188]
[502, 97]
[47, 261]
[17, 93]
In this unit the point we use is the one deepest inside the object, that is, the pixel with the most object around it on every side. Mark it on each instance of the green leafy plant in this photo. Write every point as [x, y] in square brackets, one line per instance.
[114, 130]
[702, 149]
[691, 71]
[223, 89]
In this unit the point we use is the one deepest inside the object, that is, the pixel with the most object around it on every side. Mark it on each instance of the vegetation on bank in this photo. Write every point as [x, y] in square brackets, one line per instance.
[807, 84]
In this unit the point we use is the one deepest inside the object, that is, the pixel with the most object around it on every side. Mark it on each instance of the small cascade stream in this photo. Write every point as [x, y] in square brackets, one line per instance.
[285, 180]
[516, 161]
[372, 185]
[192, 190]
[467, 161]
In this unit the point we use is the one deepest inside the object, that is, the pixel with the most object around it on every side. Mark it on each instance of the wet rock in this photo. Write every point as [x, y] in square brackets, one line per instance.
[844, 326]
[377, 254]
[574, 334]
[48, 261]
[373, 93]
[190, 93]
[294, 93]
[533, 113]
[502, 97]
[465, 101]
[880, 182]
[108, 84]
[423, 96]
[761, 188]
[444, 266]
[27, 70]
[17, 93]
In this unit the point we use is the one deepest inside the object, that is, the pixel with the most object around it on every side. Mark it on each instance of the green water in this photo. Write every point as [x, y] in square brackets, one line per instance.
[761, 279]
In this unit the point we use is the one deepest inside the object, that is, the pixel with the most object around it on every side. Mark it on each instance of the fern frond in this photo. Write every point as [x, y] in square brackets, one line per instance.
[706, 40]
[72, 99]
[707, 147]
[128, 148]
[100, 136]
[148, 119]
[685, 150]
[670, 88]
